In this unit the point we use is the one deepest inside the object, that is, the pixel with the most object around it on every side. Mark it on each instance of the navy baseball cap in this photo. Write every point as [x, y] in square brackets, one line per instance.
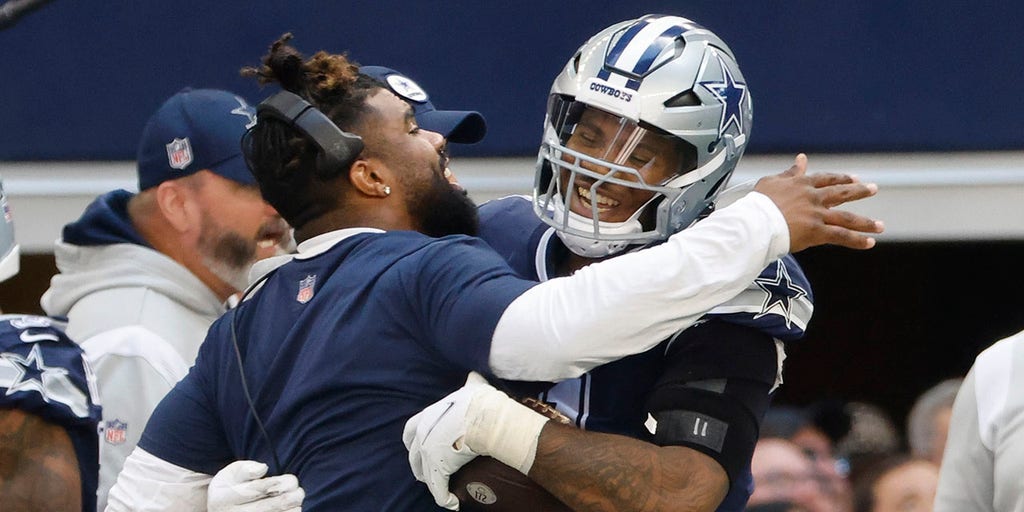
[461, 126]
[193, 130]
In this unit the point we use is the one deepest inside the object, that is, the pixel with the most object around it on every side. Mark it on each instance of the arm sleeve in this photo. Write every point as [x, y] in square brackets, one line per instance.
[628, 304]
[149, 483]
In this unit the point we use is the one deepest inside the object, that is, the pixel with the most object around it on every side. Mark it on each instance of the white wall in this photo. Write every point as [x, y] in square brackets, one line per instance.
[954, 196]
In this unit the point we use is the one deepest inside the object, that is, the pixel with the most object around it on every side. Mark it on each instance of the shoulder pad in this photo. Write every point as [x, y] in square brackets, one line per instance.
[779, 302]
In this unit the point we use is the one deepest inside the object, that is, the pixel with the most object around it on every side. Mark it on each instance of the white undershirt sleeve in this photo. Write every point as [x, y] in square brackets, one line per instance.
[148, 484]
[564, 327]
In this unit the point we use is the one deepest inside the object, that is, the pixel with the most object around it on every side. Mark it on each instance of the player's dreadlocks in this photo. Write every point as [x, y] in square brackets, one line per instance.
[291, 176]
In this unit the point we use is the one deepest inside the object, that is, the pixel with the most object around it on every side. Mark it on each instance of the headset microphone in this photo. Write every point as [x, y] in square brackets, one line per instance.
[278, 468]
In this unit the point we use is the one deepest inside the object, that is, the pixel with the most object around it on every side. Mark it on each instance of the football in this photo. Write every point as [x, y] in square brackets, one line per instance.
[487, 485]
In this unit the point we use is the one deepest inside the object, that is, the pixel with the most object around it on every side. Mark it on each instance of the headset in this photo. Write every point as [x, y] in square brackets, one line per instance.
[338, 148]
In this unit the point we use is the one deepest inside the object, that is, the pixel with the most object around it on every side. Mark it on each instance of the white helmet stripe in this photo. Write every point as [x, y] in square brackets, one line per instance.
[643, 47]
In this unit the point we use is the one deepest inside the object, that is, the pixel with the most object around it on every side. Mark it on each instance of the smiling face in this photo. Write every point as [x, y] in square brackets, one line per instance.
[437, 204]
[652, 157]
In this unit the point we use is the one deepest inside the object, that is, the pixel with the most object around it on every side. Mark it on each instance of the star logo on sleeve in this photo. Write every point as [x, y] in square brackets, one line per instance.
[780, 292]
[30, 372]
[731, 94]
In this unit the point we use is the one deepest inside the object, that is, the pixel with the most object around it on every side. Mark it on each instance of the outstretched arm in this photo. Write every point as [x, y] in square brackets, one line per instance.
[661, 290]
[38, 466]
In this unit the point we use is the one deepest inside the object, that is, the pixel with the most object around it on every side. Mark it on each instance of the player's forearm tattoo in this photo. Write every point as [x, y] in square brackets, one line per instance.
[597, 472]
[38, 466]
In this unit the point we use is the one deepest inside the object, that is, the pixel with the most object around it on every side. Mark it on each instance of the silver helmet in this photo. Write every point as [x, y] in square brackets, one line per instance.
[9, 253]
[644, 126]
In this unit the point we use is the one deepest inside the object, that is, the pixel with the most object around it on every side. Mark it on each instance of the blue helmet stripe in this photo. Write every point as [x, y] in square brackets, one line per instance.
[643, 65]
[623, 42]
[649, 47]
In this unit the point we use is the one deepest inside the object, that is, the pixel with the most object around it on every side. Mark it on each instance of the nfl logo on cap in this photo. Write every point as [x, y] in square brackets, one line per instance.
[179, 153]
[306, 289]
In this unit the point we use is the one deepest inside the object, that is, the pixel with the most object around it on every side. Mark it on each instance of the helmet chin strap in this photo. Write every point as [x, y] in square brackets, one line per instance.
[589, 247]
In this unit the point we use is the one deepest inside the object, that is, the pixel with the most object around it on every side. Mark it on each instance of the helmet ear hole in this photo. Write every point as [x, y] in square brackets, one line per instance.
[713, 191]
[576, 62]
[684, 99]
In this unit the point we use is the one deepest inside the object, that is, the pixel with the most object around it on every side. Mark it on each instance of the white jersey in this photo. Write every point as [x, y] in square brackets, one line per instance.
[983, 465]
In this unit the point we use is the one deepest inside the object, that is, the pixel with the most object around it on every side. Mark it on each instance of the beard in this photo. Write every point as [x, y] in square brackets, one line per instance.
[442, 209]
[227, 254]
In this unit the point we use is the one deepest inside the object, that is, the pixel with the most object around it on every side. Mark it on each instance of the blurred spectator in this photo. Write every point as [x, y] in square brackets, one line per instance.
[897, 483]
[873, 436]
[928, 422]
[801, 428]
[783, 474]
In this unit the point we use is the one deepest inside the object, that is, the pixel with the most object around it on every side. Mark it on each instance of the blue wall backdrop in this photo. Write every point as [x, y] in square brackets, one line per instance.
[79, 78]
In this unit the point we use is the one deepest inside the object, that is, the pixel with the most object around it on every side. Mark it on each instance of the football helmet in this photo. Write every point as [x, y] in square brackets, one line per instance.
[644, 127]
[9, 252]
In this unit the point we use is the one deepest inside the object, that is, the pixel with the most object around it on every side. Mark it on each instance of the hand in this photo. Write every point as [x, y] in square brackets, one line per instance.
[806, 202]
[240, 487]
[435, 440]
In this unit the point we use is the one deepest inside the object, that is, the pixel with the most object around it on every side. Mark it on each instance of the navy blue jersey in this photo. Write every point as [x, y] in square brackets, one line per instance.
[612, 398]
[339, 351]
[44, 373]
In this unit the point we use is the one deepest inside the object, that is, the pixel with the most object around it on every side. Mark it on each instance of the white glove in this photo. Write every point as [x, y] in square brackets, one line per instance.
[474, 420]
[434, 440]
[240, 487]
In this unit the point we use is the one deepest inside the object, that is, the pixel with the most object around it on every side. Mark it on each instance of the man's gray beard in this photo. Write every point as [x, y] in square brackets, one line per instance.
[227, 255]
[236, 277]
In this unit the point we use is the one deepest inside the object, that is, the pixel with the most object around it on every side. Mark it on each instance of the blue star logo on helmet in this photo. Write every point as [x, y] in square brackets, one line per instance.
[732, 94]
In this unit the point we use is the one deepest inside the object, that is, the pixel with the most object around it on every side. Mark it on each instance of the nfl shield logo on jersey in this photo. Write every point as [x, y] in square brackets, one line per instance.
[115, 431]
[306, 289]
[179, 153]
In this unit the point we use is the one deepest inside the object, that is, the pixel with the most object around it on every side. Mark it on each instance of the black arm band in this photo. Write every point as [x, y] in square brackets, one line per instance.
[721, 425]
[714, 391]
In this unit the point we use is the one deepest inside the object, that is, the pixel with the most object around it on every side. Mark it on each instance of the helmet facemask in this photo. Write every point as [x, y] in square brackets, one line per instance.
[608, 178]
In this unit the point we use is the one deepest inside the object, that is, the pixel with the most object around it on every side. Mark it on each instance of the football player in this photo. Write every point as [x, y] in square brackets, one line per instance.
[387, 304]
[644, 127]
[49, 409]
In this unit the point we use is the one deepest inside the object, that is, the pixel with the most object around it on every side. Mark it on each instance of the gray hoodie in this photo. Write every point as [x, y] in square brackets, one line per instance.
[139, 315]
